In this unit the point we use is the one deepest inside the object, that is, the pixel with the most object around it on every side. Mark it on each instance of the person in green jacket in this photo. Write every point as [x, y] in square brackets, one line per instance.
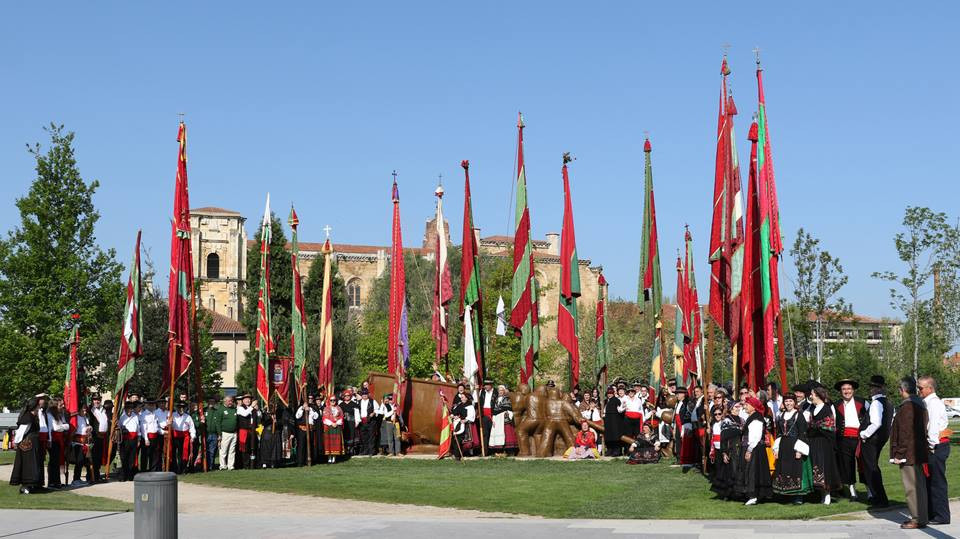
[211, 427]
[227, 427]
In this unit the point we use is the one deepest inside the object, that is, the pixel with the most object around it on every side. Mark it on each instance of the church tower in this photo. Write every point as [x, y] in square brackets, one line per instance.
[220, 259]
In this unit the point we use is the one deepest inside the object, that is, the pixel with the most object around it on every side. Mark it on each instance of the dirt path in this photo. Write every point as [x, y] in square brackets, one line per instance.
[203, 499]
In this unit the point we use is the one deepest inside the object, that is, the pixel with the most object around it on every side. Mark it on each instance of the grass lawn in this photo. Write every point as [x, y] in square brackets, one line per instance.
[556, 489]
[6, 457]
[10, 498]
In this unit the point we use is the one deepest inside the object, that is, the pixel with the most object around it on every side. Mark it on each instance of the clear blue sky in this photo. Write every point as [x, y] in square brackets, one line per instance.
[319, 102]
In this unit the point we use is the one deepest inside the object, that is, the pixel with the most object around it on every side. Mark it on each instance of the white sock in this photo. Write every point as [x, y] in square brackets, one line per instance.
[853, 491]
[826, 499]
[751, 501]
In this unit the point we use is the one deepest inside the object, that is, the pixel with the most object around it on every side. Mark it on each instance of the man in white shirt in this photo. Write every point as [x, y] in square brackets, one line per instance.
[152, 438]
[184, 433]
[874, 437]
[306, 417]
[100, 422]
[130, 432]
[939, 443]
[368, 423]
[44, 435]
[389, 435]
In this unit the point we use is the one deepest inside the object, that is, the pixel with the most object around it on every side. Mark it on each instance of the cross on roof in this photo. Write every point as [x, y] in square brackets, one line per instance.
[327, 229]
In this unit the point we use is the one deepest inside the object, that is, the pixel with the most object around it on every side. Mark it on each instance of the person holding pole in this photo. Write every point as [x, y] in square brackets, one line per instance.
[100, 423]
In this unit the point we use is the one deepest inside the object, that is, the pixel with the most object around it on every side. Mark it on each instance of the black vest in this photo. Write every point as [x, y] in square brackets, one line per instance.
[883, 433]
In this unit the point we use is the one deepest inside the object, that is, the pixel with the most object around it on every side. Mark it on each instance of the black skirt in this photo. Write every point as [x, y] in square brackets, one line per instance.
[725, 473]
[753, 478]
[791, 476]
[823, 460]
[26, 463]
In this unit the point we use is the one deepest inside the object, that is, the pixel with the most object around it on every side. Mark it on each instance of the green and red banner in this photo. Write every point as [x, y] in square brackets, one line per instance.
[603, 346]
[180, 296]
[471, 300]
[693, 323]
[264, 340]
[398, 350]
[298, 317]
[131, 340]
[71, 386]
[569, 283]
[726, 233]
[442, 289]
[524, 317]
[650, 290]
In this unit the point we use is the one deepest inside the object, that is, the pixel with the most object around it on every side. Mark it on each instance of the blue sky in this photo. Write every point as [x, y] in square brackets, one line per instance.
[319, 102]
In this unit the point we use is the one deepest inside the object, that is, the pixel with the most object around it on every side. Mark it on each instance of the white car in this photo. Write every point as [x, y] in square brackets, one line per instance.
[952, 412]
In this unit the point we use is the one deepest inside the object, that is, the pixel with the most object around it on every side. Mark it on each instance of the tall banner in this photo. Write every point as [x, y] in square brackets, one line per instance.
[325, 370]
[298, 317]
[569, 283]
[442, 289]
[71, 385]
[524, 317]
[398, 350]
[471, 300]
[131, 340]
[264, 340]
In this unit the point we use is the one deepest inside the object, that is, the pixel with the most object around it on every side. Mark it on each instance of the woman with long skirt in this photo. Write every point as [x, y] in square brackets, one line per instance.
[503, 435]
[333, 431]
[821, 436]
[727, 454]
[57, 423]
[26, 461]
[753, 479]
[793, 475]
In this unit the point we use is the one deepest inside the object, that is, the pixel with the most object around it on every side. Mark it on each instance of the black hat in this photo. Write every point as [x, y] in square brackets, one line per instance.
[802, 388]
[877, 381]
[813, 384]
[789, 397]
[487, 382]
[245, 396]
[631, 390]
[95, 397]
[181, 404]
[364, 391]
[129, 405]
[681, 389]
[671, 382]
[637, 382]
[388, 395]
[840, 383]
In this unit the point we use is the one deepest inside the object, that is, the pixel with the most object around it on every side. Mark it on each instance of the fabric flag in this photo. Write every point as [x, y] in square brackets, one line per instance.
[471, 367]
[658, 376]
[726, 234]
[131, 342]
[569, 283]
[523, 309]
[650, 289]
[470, 295]
[771, 243]
[398, 352]
[264, 340]
[298, 317]
[325, 365]
[603, 350]
[442, 289]
[694, 323]
[501, 317]
[181, 275]
[446, 429]
[679, 330]
[71, 387]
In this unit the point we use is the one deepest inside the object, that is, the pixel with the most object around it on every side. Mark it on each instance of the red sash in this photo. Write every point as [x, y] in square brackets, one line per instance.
[945, 440]
[635, 415]
[153, 435]
[715, 439]
[242, 436]
[129, 435]
[363, 420]
[184, 442]
[488, 412]
[851, 432]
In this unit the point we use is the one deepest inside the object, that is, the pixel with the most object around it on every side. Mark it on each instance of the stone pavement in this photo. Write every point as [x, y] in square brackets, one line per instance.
[43, 524]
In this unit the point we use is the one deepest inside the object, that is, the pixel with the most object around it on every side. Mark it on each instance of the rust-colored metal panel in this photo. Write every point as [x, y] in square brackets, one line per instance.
[422, 406]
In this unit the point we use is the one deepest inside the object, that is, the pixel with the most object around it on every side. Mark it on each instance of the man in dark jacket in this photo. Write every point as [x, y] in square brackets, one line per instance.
[908, 449]
[874, 437]
[852, 419]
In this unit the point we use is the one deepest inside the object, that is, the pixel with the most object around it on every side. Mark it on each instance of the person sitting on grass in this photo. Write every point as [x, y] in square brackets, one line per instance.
[585, 444]
[646, 449]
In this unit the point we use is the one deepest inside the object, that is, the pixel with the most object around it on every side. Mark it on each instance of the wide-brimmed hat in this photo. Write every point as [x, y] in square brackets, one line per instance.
[850, 381]
[802, 388]
[877, 381]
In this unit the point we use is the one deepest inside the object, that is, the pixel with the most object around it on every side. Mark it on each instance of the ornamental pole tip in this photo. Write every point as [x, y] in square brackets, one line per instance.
[568, 158]
[465, 164]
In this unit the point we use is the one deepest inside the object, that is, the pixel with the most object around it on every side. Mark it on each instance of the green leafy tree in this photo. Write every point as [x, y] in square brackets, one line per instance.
[50, 267]
[346, 368]
[928, 244]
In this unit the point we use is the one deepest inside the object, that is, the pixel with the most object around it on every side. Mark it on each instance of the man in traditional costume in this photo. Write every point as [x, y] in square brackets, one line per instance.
[368, 423]
[389, 427]
[486, 401]
[184, 436]
[246, 437]
[873, 438]
[130, 434]
[100, 423]
[305, 418]
[938, 440]
[852, 418]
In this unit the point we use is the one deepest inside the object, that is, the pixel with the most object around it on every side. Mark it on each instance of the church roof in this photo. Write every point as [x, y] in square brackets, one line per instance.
[224, 325]
[509, 239]
[213, 210]
[347, 248]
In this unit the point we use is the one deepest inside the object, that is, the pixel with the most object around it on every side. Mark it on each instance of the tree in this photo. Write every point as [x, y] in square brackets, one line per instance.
[819, 279]
[927, 245]
[346, 368]
[50, 267]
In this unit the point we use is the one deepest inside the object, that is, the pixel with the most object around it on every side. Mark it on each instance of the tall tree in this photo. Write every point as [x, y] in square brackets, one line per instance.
[928, 244]
[50, 267]
[819, 279]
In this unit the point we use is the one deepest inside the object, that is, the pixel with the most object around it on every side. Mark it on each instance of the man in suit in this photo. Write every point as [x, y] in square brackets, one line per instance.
[908, 449]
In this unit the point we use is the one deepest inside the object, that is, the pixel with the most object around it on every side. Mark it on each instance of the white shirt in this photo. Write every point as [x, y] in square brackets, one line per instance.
[184, 423]
[149, 423]
[850, 418]
[754, 434]
[161, 415]
[631, 405]
[130, 423]
[775, 405]
[876, 417]
[42, 417]
[388, 411]
[103, 422]
[936, 418]
[591, 414]
[56, 425]
[716, 432]
[364, 404]
[244, 411]
[487, 399]
[310, 418]
[83, 426]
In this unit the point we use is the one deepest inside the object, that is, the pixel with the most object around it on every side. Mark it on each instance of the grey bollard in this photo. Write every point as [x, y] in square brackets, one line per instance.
[155, 505]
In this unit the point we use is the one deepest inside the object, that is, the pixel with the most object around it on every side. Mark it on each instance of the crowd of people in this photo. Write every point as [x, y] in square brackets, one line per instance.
[754, 446]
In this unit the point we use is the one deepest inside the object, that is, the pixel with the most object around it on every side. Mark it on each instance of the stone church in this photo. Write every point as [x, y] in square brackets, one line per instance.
[220, 244]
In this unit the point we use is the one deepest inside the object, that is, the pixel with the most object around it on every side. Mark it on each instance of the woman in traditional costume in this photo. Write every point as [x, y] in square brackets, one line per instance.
[646, 448]
[821, 436]
[584, 445]
[793, 475]
[503, 434]
[59, 427]
[332, 430]
[726, 457]
[81, 444]
[26, 461]
[753, 479]
[612, 424]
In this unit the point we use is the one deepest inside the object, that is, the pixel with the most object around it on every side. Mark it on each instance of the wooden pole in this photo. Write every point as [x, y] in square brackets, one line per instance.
[113, 425]
[782, 355]
[708, 379]
[168, 437]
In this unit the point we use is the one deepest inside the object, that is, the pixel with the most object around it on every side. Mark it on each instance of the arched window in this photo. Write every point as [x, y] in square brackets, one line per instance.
[213, 266]
[353, 293]
[212, 304]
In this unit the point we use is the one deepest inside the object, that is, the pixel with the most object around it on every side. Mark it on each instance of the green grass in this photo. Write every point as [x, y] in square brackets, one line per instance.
[556, 489]
[6, 457]
[10, 498]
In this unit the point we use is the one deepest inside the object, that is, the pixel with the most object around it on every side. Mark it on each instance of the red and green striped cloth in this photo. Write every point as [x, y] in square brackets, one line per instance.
[470, 295]
[523, 309]
[298, 318]
[569, 283]
[264, 339]
[131, 340]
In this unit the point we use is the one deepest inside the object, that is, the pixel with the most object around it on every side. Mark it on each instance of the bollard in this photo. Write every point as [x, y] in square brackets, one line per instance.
[155, 505]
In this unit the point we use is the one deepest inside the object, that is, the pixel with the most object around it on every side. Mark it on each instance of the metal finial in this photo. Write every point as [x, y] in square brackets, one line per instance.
[394, 176]
[440, 179]
[180, 114]
[567, 158]
[725, 47]
[756, 53]
[327, 229]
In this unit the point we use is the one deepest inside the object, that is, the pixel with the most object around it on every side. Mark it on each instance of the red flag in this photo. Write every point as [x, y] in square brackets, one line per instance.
[524, 296]
[325, 373]
[181, 275]
[264, 340]
[470, 295]
[131, 343]
[569, 283]
[398, 353]
[71, 388]
[692, 318]
[446, 429]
